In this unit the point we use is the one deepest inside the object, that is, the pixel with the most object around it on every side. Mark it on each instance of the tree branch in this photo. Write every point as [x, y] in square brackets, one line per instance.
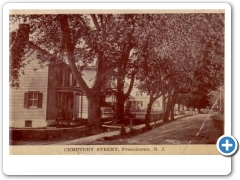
[67, 43]
[94, 18]
[101, 19]
[131, 84]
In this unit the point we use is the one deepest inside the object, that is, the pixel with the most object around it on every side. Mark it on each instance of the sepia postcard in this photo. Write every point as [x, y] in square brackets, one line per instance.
[116, 88]
[116, 82]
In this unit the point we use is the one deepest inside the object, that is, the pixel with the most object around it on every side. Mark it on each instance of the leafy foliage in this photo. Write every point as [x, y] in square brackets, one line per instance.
[194, 100]
[183, 52]
[171, 53]
[16, 56]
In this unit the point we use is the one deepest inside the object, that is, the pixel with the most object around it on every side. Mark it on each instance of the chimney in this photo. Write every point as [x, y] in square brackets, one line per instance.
[23, 32]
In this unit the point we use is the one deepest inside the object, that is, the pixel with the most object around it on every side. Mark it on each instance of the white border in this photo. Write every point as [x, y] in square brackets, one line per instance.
[131, 6]
[115, 165]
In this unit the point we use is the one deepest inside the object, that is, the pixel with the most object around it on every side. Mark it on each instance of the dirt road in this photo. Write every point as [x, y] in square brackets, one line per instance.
[196, 129]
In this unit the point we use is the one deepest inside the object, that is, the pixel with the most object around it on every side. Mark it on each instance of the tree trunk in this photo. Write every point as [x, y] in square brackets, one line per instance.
[94, 114]
[172, 105]
[120, 91]
[148, 113]
[198, 110]
[121, 97]
[93, 94]
[120, 108]
[172, 110]
[163, 103]
[167, 111]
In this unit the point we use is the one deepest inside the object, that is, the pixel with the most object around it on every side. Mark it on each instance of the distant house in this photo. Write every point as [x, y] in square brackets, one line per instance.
[136, 103]
[139, 102]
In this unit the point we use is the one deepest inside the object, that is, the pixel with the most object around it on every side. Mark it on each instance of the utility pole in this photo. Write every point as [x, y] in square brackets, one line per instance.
[220, 99]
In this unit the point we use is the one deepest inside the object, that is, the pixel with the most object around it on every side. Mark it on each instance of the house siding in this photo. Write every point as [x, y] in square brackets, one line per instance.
[144, 98]
[34, 79]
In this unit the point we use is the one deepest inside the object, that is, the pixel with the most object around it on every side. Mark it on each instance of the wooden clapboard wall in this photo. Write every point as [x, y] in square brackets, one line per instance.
[35, 78]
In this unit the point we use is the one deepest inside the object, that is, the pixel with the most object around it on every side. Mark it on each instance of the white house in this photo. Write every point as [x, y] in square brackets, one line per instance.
[47, 92]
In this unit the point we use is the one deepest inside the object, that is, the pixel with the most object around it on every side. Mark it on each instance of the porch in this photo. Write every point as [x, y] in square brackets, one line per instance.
[72, 106]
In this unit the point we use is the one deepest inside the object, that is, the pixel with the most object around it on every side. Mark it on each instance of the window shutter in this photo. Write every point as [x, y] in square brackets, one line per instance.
[26, 100]
[40, 97]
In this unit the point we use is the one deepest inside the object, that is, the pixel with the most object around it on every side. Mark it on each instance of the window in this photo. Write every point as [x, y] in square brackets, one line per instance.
[139, 103]
[71, 79]
[33, 99]
[156, 104]
[138, 93]
[28, 123]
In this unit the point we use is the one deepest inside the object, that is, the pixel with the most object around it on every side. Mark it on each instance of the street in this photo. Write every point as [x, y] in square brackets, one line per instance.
[195, 129]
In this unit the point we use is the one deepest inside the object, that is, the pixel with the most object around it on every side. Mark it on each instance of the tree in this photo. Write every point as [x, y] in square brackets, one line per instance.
[194, 100]
[172, 50]
[79, 40]
[125, 66]
[17, 51]
[192, 47]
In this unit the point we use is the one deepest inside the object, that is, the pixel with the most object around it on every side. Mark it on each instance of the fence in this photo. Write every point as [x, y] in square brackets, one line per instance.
[155, 115]
[108, 113]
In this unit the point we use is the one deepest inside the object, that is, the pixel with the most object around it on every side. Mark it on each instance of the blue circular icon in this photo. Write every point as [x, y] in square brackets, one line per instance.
[227, 145]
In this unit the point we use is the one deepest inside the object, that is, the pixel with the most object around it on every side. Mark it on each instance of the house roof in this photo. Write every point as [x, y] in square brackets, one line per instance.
[22, 34]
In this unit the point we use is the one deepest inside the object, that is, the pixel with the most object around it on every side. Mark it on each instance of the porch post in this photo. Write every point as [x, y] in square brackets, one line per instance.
[81, 105]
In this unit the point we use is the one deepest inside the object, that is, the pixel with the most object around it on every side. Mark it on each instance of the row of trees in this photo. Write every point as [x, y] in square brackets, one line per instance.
[171, 55]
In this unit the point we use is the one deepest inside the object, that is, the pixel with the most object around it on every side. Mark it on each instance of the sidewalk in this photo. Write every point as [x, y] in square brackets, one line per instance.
[90, 139]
